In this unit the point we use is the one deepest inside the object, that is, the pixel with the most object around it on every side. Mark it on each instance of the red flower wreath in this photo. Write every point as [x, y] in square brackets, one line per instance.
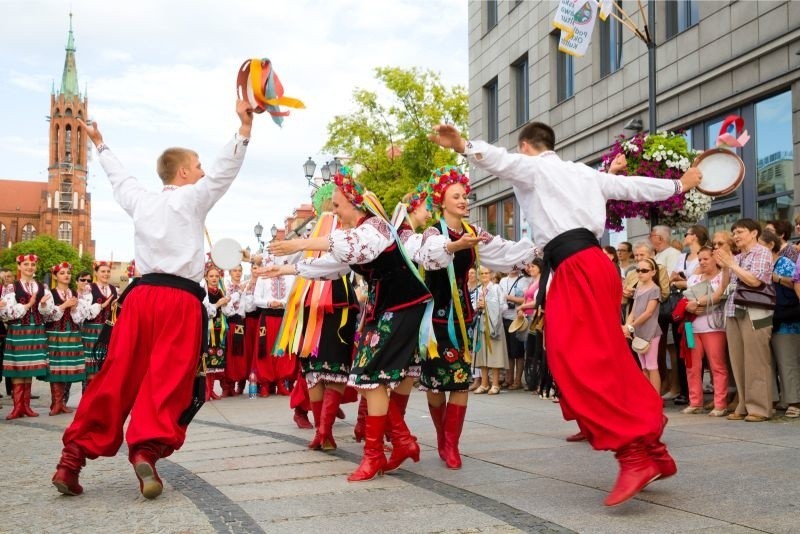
[444, 178]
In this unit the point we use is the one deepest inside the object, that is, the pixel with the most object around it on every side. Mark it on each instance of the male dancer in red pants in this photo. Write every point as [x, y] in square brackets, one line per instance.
[602, 387]
[152, 361]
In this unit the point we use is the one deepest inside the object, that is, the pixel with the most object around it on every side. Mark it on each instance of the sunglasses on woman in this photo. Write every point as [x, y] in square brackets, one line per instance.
[644, 270]
[84, 280]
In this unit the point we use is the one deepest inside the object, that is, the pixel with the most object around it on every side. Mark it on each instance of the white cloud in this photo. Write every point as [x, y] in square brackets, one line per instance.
[163, 74]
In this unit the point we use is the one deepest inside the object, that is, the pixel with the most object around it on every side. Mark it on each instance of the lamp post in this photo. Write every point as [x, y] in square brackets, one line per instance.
[258, 230]
[327, 170]
[274, 232]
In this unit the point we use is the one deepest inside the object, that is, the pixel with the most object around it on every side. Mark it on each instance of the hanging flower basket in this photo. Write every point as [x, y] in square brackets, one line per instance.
[662, 155]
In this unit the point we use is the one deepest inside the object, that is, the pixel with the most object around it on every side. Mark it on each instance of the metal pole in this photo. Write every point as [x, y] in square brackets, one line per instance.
[650, 31]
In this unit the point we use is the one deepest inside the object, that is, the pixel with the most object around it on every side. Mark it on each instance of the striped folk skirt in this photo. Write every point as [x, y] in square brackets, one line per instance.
[26, 351]
[67, 362]
[90, 332]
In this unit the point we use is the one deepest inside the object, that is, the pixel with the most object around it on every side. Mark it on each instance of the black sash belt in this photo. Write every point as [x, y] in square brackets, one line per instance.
[559, 249]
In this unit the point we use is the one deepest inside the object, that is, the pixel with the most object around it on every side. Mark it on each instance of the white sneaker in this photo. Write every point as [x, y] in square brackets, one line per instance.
[722, 412]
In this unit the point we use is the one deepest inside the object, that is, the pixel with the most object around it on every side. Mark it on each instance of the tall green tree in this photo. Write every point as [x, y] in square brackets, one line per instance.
[50, 252]
[385, 138]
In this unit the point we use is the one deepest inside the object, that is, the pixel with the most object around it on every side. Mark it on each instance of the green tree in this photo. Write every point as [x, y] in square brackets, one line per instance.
[385, 138]
[50, 252]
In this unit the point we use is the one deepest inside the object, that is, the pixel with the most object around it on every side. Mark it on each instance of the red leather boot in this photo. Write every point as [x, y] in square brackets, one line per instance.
[374, 459]
[316, 409]
[263, 389]
[144, 457]
[26, 406]
[401, 401]
[282, 389]
[636, 470]
[56, 397]
[240, 388]
[358, 429]
[662, 458]
[301, 418]
[228, 388]
[453, 423]
[68, 469]
[330, 405]
[210, 388]
[18, 397]
[404, 444]
[437, 416]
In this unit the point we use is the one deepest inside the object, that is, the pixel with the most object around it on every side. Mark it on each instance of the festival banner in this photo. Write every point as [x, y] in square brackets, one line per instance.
[575, 19]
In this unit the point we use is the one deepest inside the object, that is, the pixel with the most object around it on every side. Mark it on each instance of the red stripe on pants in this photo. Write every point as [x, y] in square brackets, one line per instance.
[149, 373]
[601, 386]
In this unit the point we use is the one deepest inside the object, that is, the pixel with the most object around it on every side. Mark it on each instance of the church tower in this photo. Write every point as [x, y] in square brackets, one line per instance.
[67, 214]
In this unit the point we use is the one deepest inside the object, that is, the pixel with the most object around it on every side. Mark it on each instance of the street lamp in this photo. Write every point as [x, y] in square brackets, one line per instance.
[274, 231]
[335, 166]
[308, 169]
[258, 230]
[326, 172]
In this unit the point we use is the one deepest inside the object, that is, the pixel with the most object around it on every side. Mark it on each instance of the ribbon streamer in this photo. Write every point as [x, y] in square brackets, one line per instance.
[726, 140]
[258, 83]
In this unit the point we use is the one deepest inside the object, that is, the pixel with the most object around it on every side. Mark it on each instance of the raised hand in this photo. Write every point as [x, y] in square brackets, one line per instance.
[448, 136]
[92, 131]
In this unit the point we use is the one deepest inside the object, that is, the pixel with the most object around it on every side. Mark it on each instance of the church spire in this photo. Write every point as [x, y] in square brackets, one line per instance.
[69, 80]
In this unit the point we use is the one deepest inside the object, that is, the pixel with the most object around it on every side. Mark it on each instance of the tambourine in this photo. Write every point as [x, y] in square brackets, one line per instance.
[723, 171]
[227, 254]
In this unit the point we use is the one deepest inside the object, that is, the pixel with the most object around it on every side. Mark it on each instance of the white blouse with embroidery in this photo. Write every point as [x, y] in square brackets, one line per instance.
[14, 310]
[494, 252]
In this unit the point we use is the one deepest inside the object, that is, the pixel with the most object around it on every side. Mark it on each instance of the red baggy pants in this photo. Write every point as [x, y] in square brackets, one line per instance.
[601, 386]
[149, 373]
[238, 366]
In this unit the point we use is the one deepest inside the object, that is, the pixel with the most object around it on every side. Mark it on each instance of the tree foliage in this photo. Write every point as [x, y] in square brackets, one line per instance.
[385, 138]
[50, 252]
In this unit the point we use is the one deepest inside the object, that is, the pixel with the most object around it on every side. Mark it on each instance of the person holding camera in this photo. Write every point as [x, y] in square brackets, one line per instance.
[513, 287]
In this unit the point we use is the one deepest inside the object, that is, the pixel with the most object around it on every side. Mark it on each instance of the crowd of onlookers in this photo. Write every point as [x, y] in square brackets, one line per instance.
[711, 314]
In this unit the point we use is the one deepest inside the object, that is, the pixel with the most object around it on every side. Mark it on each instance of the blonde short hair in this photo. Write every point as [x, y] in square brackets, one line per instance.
[171, 160]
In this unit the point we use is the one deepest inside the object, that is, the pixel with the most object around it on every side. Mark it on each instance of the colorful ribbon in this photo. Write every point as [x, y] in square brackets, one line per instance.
[726, 140]
[259, 84]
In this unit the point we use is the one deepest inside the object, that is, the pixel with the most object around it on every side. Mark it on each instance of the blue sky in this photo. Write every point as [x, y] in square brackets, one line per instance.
[162, 73]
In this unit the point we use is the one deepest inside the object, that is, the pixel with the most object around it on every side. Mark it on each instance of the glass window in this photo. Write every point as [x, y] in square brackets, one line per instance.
[521, 90]
[492, 111]
[565, 75]
[721, 220]
[65, 232]
[3, 235]
[509, 219]
[28, 232]
[773, 138]
[491, 219]
[712, 132]
[775, 208]
[680, 15]
[610, 45]
[491, 14]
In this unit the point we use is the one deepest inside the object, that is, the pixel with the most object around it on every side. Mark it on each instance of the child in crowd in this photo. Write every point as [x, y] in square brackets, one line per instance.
[642, 321]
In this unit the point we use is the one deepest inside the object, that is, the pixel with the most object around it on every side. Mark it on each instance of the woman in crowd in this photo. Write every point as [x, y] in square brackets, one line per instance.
[103, 293]
[490, 355]
[749, 327]
[473, 286]
[785, 325]
[642, 321]
[216, 299]
[783, 230]
[451, 246]
[237, 365]
[397, 299]
[625, 255]
[539, 379]
[66, 362]
[705, 289]
[513, 288]
[611, 252]
[26, 304]
[326, 313]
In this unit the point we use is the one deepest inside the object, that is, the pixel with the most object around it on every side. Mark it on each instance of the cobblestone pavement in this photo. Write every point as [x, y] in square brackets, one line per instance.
[245, 468]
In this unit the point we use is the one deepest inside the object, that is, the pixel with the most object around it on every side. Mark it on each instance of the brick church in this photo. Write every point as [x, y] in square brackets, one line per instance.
[60, 207]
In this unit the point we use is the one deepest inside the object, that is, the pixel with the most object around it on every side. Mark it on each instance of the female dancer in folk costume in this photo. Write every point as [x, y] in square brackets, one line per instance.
[102, 293]
[241, 301]
[66, 362]
[269, 297]
[319, 328]
[396, 304]
[450, 247]
[239, 371]
[27, 303]
[217, 329]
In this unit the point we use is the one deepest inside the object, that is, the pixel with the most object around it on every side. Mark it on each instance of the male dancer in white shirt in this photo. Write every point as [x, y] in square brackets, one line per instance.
[601, 386]
[156, 343]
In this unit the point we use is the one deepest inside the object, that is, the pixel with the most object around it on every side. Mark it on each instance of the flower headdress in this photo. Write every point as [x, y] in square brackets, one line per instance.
[420, 196]
[210, 265]
[99, 264]
[59, 266]
[351, 189]
[27, 257]
[444, 178]
[321, 194]
[132, 269]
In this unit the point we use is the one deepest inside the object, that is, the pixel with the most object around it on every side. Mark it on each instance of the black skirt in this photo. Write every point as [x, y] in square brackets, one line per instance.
[450, 371]
[334, 354]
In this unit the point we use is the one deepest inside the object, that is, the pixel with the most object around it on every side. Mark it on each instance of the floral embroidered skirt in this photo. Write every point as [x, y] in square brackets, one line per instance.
[334, 356]
[450, 371]
[386, 346]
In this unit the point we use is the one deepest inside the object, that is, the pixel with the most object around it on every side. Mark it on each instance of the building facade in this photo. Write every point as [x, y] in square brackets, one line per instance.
[714, 58]
[60, 207]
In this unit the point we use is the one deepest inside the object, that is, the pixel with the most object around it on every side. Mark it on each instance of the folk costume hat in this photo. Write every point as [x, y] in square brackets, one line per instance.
[60, 266]
[444, 178]
[28, 257]
[96, 265]
[420, 196]
[322, 194]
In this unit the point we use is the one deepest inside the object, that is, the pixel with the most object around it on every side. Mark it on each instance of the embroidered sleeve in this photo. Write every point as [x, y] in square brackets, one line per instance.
[433, 254]
[286, 284]
[46, 305]
[231, 307]
[82, 311]
[12, 310]
[323, 268]
[412, 243]
[210, 308]
[361, 244]
[502, 255]
[261, 293]
[94, 308]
